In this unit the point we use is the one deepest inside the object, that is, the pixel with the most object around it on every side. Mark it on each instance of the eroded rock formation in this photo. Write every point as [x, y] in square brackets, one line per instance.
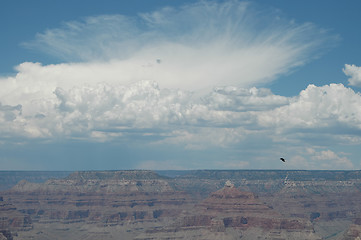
[232, 213]
[206, 205]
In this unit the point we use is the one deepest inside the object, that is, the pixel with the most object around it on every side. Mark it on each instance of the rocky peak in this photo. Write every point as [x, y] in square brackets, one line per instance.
[229, 191]
[228, 184]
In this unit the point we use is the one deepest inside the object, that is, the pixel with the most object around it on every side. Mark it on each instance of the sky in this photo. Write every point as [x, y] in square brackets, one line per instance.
[160, 84]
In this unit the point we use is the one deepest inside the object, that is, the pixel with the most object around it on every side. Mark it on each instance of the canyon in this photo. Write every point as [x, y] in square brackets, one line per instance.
[200, 204]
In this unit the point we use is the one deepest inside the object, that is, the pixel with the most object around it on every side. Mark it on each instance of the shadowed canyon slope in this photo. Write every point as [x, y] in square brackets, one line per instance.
[202, 204]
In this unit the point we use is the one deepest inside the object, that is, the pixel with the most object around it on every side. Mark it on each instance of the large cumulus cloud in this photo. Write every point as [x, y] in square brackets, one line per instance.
[227, 117]
[188, 77]
[327, 106]
[115, 108]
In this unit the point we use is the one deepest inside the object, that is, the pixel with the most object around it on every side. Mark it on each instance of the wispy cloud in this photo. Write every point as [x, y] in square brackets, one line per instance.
[193, 47]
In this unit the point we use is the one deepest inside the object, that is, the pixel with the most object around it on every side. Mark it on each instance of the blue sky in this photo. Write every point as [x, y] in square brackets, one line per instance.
[180, 85]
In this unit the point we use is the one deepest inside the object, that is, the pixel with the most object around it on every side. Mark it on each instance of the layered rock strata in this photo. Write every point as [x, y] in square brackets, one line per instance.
[106, 197]
[12, 220]
[101, 198]
[230, 213]
[145, 205]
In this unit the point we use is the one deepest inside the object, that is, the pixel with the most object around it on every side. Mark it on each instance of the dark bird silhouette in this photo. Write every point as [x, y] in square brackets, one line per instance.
[282, 159]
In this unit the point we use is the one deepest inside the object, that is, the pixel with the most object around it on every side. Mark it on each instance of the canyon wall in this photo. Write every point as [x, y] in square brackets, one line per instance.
[185, 205]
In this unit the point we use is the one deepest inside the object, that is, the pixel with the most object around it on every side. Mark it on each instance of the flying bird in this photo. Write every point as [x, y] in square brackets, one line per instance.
[282, 159]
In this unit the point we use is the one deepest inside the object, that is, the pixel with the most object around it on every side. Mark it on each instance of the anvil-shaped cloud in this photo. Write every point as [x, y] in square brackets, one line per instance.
[195, 47]
[189, 77]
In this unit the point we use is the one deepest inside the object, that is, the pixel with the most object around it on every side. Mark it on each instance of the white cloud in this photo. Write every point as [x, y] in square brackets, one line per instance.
[330, 106]
[222, 117]
[103, 109]
[354, 73]
[144, 72]
[327, 159]
[150, 79]
[9, 113]
[321, 158]
[197, 46]
[242, 99]
[226, 118]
